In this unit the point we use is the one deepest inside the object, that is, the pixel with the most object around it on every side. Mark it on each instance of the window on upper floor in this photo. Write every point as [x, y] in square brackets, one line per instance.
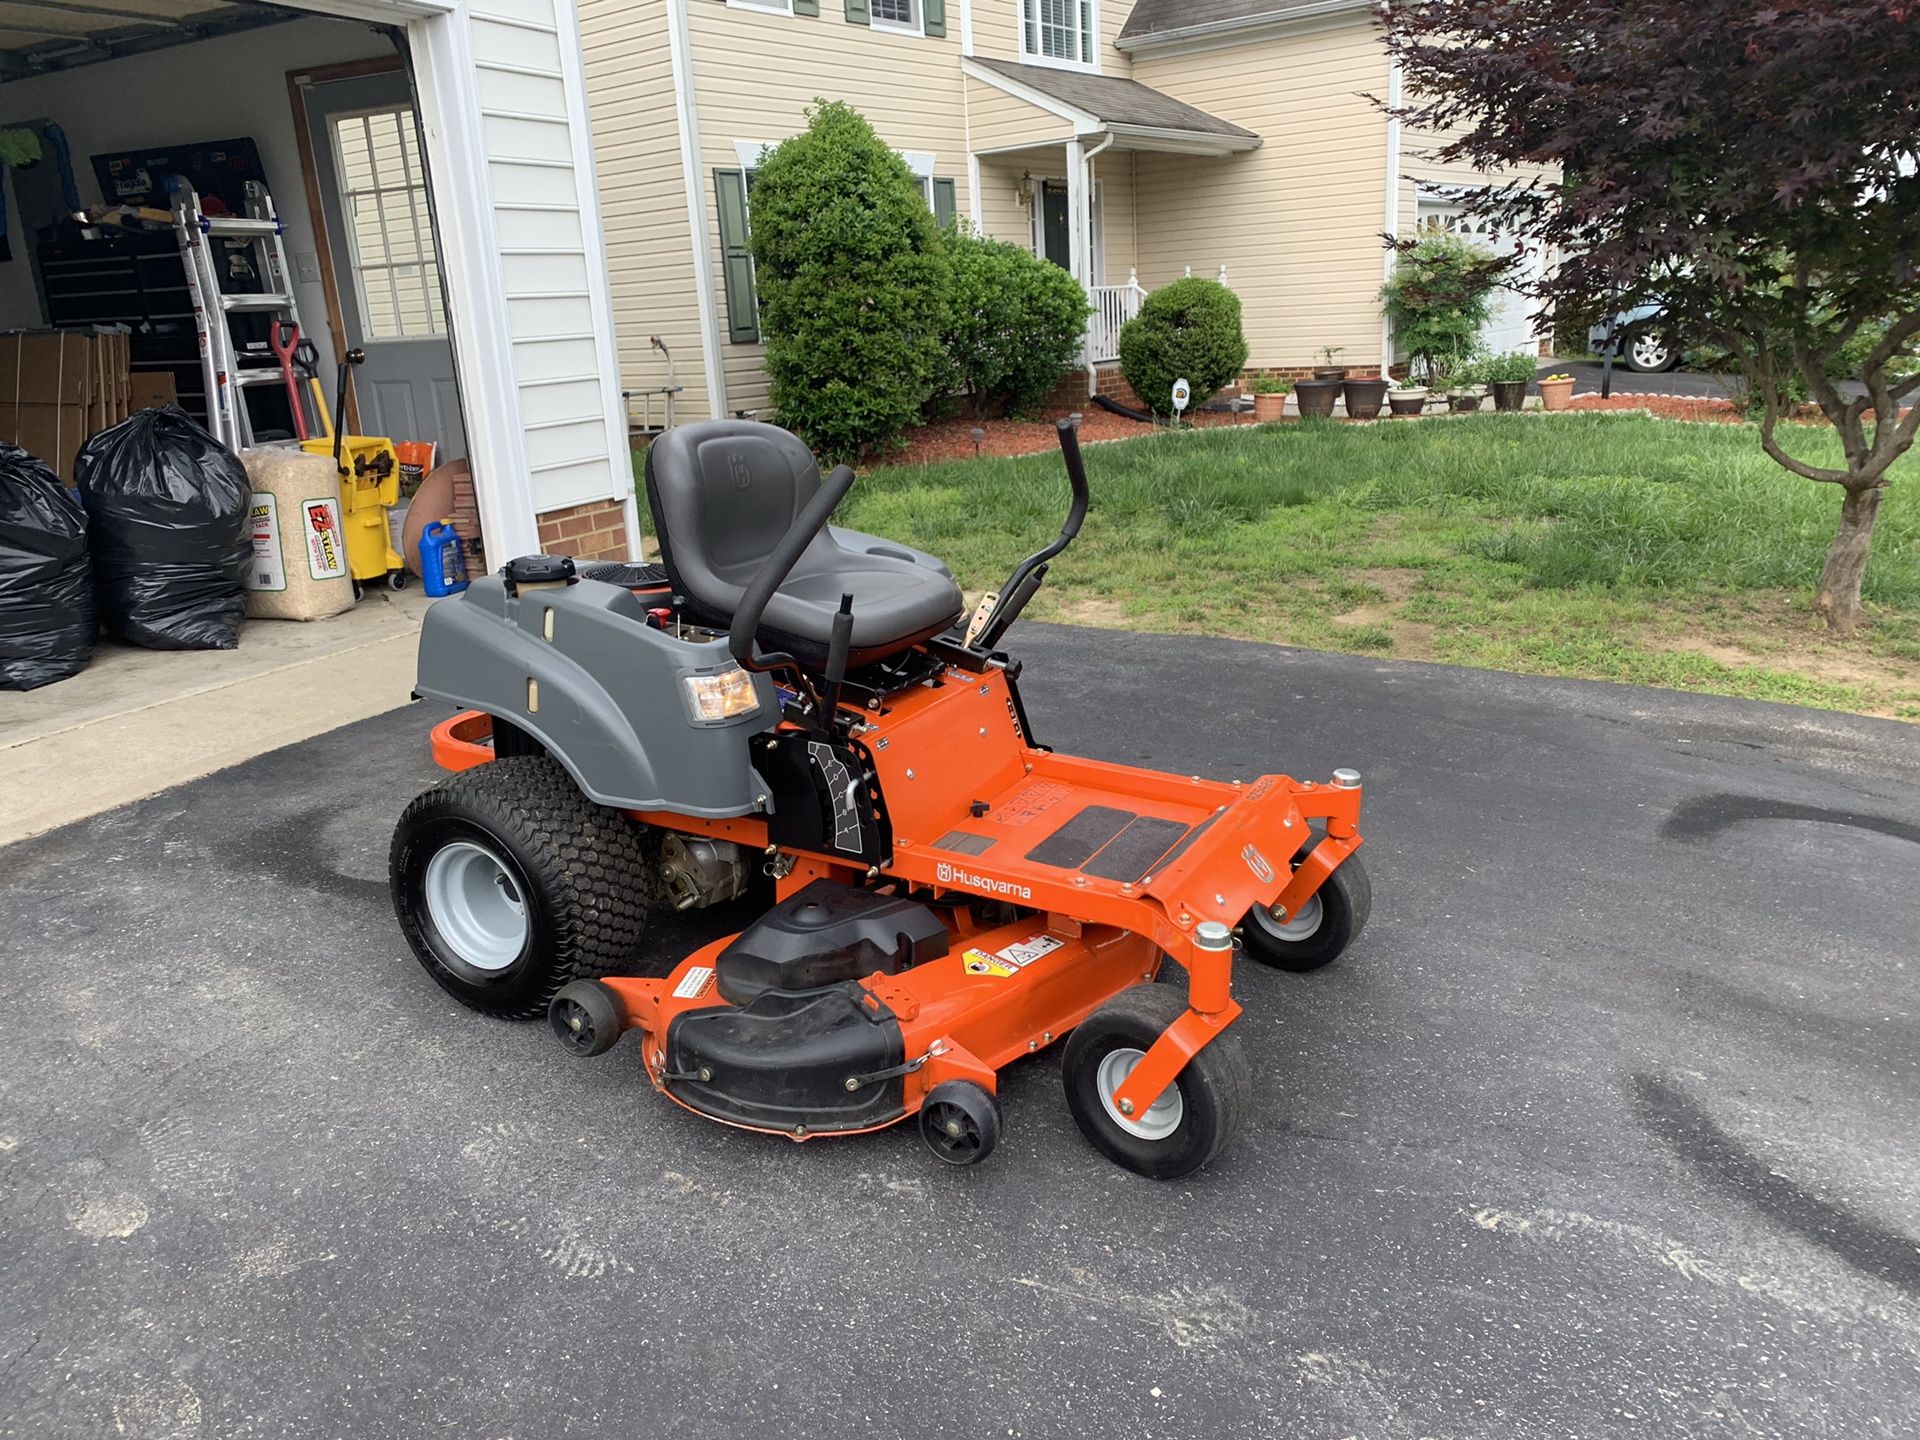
[1057, 32]
[895, 15]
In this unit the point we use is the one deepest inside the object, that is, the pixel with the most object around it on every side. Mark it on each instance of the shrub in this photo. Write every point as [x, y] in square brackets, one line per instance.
[1188, 329]
[1518, 365]
[852, 279]
[1271, 385]
[1014, 322]
[1440, 295]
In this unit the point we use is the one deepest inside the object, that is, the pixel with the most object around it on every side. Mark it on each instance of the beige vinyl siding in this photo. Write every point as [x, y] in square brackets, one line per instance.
[636, 145]
[1000, 121]
[1297, 221]
[1003, 215]
[1113, 173]
[755, 74]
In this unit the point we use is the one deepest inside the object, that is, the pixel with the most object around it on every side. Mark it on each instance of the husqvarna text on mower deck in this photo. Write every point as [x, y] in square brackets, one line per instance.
[950, 894]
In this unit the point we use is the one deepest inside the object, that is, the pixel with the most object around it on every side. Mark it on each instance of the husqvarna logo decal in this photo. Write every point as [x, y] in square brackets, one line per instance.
[738, 468]
[949, 874]
[1257, 863]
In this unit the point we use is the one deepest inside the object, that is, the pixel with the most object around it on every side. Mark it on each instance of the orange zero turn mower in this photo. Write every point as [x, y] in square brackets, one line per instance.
[785, 697]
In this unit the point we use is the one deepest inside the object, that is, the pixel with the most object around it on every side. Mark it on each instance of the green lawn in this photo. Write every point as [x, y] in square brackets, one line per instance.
[1612, 547]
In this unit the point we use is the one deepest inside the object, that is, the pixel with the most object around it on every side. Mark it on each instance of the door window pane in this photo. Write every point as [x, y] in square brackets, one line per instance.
[383, 195]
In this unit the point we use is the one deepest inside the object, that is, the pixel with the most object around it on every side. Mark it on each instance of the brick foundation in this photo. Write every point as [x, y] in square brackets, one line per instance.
[1114, 386]
[594, 531]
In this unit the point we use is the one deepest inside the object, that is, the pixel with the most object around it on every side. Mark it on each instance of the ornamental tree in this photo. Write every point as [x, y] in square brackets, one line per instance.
[852, 279]
[1750, 167]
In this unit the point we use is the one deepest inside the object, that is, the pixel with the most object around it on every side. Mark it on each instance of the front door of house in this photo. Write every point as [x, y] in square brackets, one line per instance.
[1055, 237]
[373, 189]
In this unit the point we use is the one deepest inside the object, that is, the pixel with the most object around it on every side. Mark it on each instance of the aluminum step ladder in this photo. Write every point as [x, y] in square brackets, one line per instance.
[207, 252]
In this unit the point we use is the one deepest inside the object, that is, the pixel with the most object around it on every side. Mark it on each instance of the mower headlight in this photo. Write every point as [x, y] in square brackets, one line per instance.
[722, 696]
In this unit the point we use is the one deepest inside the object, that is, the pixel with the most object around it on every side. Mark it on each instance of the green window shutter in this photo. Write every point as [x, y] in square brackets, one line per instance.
[743, 306]
[806, 7]
[943, 202]
[857, 13]
[934, 13]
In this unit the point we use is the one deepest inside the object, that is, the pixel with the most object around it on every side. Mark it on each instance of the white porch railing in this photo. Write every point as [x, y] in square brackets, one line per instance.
[1113, 307]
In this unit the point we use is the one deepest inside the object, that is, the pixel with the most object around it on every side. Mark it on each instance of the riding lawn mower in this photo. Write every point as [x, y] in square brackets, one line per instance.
[784, 696]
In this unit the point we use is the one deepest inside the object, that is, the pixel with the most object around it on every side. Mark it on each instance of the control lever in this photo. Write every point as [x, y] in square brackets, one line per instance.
[838, 643]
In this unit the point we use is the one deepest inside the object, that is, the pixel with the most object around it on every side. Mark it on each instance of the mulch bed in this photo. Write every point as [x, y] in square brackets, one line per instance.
[952, 439]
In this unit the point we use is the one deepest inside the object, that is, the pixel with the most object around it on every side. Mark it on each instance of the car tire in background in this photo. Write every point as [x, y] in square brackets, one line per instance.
[1648, 352]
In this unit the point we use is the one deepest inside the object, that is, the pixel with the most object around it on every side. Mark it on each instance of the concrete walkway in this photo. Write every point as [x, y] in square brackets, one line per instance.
[137, 722]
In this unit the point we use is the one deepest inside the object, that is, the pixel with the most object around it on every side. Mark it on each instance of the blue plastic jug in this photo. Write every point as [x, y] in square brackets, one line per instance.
[443, 560]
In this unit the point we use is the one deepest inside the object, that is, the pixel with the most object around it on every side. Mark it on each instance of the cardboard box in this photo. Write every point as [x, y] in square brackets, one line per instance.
[153, 388]
[53, 433]
[50, 368]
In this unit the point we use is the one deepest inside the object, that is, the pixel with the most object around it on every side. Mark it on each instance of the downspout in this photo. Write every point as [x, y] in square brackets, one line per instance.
[680, 51]
[974, 210]
[1086, 243]
[1393, 204]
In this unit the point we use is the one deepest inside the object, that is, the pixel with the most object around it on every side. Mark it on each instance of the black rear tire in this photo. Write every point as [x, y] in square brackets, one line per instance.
[576, 871]
[1343, 902]
[1212, 1093]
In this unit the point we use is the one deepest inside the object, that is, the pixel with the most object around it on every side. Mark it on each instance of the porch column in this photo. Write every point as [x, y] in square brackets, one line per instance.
[1078, 218]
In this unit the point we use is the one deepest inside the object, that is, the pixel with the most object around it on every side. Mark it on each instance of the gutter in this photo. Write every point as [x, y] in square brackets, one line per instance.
[1217, 28]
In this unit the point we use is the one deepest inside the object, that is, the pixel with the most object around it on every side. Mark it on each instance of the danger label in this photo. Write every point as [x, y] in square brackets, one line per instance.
[978, 962]
[1030, 803]
[694, 983]
[1025, 952]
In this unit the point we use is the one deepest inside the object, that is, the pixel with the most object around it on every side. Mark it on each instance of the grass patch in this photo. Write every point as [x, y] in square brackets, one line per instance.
[1610, 547]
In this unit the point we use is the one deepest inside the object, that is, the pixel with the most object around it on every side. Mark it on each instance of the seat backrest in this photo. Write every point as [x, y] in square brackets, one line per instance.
[723, 494]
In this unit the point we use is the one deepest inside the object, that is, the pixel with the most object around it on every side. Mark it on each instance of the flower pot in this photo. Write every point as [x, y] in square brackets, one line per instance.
[1465, 402]
[1408, 402]
[1364, 398]
[1268, 408]
[1316, 398]
[1330, 372]
[1509, 394]
[1556, 394]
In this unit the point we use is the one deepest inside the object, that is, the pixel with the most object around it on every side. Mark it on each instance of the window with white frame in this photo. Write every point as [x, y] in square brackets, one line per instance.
[895, 14]
[1057, 31]
[383, 198]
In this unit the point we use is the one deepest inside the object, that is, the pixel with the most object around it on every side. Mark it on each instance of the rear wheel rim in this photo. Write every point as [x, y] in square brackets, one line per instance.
[1649, 351]
[476, 905]
[1161, 1119]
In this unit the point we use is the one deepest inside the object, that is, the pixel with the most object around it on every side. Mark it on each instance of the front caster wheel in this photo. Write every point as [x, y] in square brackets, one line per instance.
[1194, 1117]
[508, 883]
[586, 1018]
[960, 1122]
[396, 580]
[1318, 933]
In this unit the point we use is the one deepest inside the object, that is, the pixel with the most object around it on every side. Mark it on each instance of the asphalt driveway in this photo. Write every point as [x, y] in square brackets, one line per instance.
[1606, 1128]
[1586, 375]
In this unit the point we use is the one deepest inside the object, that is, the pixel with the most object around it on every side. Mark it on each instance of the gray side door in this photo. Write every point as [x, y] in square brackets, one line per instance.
[373, 190]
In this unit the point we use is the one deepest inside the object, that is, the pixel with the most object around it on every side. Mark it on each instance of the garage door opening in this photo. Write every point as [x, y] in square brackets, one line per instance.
[118, 111]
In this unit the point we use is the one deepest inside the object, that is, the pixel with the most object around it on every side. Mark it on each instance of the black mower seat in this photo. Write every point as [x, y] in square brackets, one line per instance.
[723, 494]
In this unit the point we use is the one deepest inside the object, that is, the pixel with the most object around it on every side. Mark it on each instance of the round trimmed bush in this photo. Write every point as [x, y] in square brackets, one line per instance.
[1188, 329]
[1015, 322]
[852, 280]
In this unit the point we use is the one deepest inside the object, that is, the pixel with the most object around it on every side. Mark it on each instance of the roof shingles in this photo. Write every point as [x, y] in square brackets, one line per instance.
[1154, 17]
[1114, 100]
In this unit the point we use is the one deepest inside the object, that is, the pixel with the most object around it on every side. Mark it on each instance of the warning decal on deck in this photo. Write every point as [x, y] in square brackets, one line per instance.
[694, 982]
[1026, 951]
[977, 962]
[1030, 803]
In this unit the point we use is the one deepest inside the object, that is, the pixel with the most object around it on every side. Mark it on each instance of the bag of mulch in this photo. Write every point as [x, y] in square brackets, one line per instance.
[171, 532]
[47, 623]
[299, 565]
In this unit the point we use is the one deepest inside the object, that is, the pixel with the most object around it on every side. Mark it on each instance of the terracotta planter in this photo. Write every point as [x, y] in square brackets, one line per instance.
[1268, 408]
[1408, 402]
[1509, 394]
[1556, 394]
[1316, 398]
[1330, 372]
[1365, 397]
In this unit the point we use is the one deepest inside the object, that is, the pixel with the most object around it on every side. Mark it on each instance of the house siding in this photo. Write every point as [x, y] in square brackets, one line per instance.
[636, 136]
[996, 32]
[999, 121]
[1296, 222]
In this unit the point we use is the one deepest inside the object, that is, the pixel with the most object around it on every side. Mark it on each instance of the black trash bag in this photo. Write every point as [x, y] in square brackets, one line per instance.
[171, 533]
[47, 623]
